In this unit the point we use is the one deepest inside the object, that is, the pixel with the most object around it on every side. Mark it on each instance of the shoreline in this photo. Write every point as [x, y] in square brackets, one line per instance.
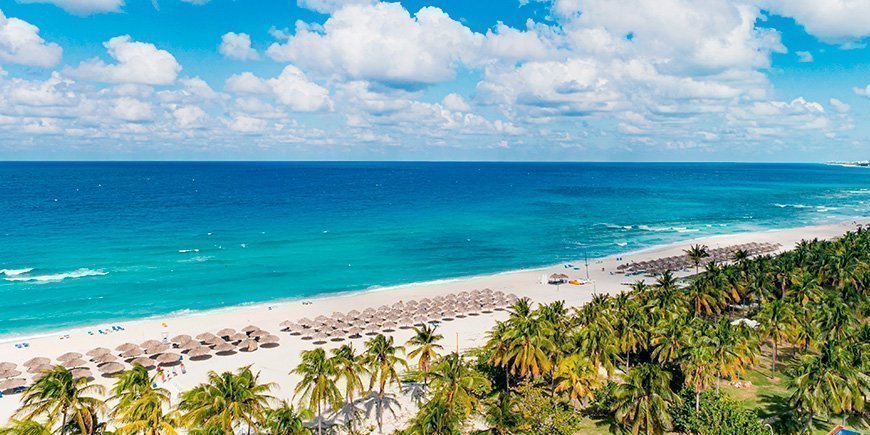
[274, 364]
[12, 337]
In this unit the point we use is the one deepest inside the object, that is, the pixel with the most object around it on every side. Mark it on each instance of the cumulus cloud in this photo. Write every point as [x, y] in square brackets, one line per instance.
[832, 21]
[131, 109]
[237, 46]
[804, 56]
[455, 102]
[383, 42]
[20, 43]
[291, 88]
[136, 62]
[865, 91]
[327, 6]
[188, 116]
[83, 7]
[839, 106]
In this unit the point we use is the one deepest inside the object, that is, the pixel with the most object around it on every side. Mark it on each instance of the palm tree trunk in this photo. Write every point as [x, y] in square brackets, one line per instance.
[627, 362]
[349, 405]
[718, 379]
[507, 379]
[319, 420]
[63, 422]
[773, 366]
[697, 402]
[380, 410]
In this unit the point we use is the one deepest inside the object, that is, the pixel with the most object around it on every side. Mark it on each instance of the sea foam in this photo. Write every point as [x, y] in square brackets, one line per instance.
[56, 277]
[15, 272]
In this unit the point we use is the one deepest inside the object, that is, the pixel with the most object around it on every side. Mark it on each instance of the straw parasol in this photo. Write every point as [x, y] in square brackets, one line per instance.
[287, 324]
[192, 344]
[39, 368]
[126, 346]
[76, 362]
[258, 333]
[389, 325]
[354, 331]
[69, 355]
[205, 336]
[224, 348]
[150, 343]
[7, 366]
[107, 358]
[168, 358]
[198, 352]
[305, 321]
[82, 372]
[130, 353]
[98, 351]
[111, 368]
[296, 329]
[157, 349]
[238, 336]
[269, 339]
[353, 314]
[11, 373]
[12, 383]
[144, 361]
[226, 332]
[181, 339]
[250, 328]
[37, 361]
[249, 345]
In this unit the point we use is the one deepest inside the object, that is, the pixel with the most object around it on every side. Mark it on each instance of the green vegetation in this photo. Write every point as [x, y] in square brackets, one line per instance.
[660, 358]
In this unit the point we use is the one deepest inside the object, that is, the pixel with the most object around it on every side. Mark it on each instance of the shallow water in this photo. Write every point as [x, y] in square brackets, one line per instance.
[88, 242]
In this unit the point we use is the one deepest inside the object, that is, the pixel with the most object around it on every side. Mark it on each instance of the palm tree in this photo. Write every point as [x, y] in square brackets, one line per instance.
[702, 295]
[59, 395]
[381, 356]
[577, 376]
[732, 350]
[500, 415]
[498, 344]
[436, 417]
[697, 362]
[285, 420]
[140, 406]
[26, 427]
[317, 387]
[457, 384]
[805, 287]
[598, 341]
[777, 324]
[827, 383]
[697, 254]
[641, 403]
[530, 345]
[426, 341]
[226, 401]
[349, 366]
[633, 331]
[668, 339]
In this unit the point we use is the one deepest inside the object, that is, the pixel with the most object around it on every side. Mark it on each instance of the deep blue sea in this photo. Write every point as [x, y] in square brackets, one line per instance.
[83, 243]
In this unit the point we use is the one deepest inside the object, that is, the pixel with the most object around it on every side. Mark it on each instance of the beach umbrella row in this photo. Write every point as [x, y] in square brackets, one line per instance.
[680, 262]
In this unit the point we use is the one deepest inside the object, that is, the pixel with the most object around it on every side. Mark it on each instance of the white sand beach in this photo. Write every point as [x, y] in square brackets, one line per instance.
[275, 363]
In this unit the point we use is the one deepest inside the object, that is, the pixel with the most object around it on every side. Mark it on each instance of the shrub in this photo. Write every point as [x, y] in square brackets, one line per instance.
[718, 415]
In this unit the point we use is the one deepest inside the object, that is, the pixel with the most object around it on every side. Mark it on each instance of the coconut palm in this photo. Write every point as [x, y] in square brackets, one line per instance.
[26, 427]
[805, 287]
[697, 254]
[697, 362]
[498, 345]
[457, 384]
[633, 331]
[703, 296]
[382, 358]
[598, 342]
[139, 407]
[641, 403]
[500, 415]
[777, 324]
[530, 344]
[578, 377]
[436, 417]
[732, 350]
[349, 367]
[425, 342]
[668, 339]
[58, 395]
[226, 401]
[317, 388]
[285, 420]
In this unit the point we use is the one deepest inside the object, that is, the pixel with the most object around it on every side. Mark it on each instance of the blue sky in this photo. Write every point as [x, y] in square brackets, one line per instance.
[734, 80]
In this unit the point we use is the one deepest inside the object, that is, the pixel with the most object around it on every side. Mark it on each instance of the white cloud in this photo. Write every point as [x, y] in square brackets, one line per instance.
[83, 7]
[833, 21]
[196, 2]
[455, 102]
[865, 91]
[188, 116]
[137, 62]
[804, 56]
[246, 124]
[20, 43]
[246, 83]
[237, 46]
[293, 89]
[131, 109]
[840, 106]
[327, 6]
[384, 43]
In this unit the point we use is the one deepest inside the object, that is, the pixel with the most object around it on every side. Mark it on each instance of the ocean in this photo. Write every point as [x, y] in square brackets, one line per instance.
[86, 243]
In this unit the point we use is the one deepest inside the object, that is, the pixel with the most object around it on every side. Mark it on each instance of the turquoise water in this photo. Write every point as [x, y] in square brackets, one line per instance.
[89, 242]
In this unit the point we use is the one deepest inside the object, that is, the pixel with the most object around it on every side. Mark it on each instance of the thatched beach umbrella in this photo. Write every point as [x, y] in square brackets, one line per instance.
[40, 368]
[249, 345]
[353, 314]
[258, 333]
[149, 343]
[36, 361]
[250, 328]
[354, 331]
[111, 368]
[269, 339]
[226, 332]
[182, 339]
[157, 349]
[389, 325]
[286, 324]
[12, 383]
[296, 329]
[132, 352]
[11, 373]
[198, 352]
[75, 362]
[69, 355]
[224, 348]
[320, 337]
[82, 372]
[144, 361]
[98, 351]
[192, 344]
[205, 336]
[168, 358]
[106, 358]
[305, 321]
[238, 336]
[7, 366]
[126, 346]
